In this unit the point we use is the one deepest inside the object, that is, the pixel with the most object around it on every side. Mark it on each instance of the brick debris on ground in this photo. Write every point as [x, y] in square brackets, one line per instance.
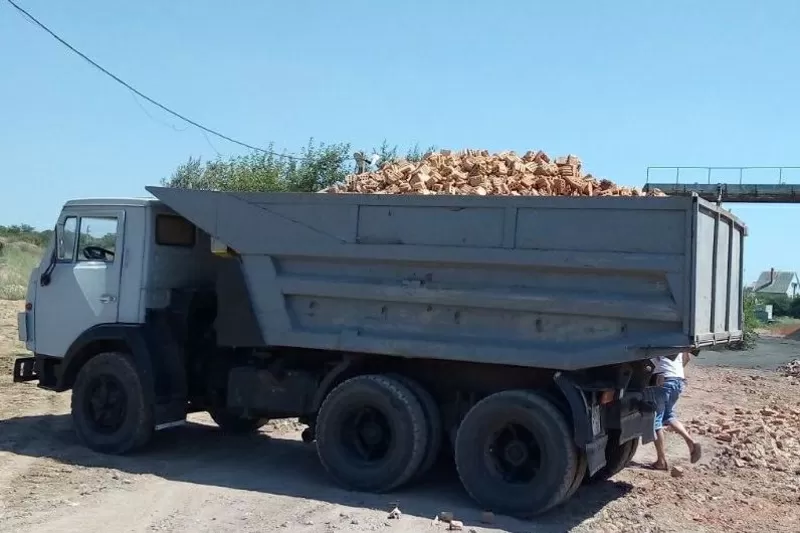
[790, 369]
[748, 481]
[754, 438]
[477, 172]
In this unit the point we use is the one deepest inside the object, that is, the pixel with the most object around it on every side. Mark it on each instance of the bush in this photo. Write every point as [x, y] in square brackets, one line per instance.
[24, 233]
[259, 172]
[750, 324]
[319, 166]
[16, 262]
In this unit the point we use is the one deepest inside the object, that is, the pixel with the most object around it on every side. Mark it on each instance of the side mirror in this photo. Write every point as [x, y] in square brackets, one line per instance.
[46, 276]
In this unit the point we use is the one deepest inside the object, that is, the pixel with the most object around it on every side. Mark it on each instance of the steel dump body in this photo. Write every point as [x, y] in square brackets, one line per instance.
[549, 282]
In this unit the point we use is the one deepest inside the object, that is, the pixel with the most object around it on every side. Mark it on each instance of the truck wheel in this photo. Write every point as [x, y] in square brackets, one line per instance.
[433, 422]
[109, 408]
[580, 475]
[618, 456]
[515, 453]
[236, 424]
[634, 447]
[371, 433]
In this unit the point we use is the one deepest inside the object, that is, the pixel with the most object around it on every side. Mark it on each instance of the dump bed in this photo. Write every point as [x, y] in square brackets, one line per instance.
[553, 282]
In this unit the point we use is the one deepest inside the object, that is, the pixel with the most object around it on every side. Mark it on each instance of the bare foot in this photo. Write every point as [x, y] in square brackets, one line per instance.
[696, 452]
[660, 465]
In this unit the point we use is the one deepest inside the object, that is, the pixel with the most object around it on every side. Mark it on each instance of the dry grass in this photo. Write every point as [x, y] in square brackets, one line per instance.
[17, 259]
[10, 347]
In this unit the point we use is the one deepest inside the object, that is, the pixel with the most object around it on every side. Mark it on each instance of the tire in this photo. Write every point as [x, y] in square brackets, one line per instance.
[537, 433]
[618, 456]
[634, 446]
[433, 423]
[110, 411]
[383, 410]
[236, 424]
[580, 475]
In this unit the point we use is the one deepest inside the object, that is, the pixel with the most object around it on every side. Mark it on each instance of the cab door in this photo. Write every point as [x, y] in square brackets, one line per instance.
[79, 284]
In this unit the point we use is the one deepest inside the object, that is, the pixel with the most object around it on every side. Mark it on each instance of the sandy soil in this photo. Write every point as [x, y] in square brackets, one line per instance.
[196, 479]
[783, 327]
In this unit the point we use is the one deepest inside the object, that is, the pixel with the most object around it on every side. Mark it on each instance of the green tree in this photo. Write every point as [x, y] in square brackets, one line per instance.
[25, 233]
[750, 321]
[781, 304]
[318, 166]
[415, 154]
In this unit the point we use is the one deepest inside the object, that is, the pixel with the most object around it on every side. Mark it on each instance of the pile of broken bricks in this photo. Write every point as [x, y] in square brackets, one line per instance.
[477, 172]
[755, 438]
[790, 369]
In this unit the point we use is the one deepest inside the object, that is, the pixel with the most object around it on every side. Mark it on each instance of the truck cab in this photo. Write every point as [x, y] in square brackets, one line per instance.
[109, 261]
[111, 267]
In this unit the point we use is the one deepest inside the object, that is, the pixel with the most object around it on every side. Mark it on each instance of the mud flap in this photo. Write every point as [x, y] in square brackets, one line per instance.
[596, 454]
[637, 423]
[648, 427]
[651, 400]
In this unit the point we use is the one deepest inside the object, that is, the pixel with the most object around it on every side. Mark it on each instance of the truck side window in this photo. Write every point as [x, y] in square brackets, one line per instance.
[65, 239]
[97, 239]
[173, 230]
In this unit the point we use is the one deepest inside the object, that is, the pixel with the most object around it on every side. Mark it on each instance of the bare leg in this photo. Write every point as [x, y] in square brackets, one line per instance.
[694, 448]
[661, 462]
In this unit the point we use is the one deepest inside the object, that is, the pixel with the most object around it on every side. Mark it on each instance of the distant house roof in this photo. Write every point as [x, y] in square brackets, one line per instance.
[781, 283]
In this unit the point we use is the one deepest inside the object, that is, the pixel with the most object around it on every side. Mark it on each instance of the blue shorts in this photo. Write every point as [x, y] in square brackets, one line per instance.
[668, 395]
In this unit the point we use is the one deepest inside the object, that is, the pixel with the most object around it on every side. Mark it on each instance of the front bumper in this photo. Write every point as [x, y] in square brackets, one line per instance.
[25, 369]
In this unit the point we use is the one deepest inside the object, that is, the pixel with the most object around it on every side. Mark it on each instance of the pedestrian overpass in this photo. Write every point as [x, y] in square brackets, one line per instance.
[728, 184]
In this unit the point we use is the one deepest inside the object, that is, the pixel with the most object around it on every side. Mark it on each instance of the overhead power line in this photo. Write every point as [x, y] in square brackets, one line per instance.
[142, 95]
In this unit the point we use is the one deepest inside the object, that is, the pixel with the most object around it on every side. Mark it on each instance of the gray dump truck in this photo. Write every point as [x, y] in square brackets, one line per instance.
[512, 335]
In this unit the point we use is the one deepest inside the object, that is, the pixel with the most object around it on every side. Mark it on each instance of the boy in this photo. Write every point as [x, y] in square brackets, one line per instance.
[670, 379]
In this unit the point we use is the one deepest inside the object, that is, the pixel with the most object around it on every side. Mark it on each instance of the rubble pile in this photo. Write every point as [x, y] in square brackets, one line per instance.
[477, 172]
[790, 369]
[765, 438]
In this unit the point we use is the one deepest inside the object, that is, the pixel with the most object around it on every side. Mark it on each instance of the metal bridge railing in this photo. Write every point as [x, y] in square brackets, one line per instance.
[778, 172]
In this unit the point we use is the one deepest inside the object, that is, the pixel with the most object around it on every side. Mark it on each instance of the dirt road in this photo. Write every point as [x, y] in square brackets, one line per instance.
[196, 479]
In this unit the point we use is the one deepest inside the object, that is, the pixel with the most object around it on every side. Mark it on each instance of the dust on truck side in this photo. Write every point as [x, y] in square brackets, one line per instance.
[512, 334]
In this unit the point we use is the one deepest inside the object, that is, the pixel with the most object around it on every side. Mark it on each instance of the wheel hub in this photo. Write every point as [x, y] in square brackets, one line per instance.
[371, 433]
[367, 434]
[106, 404]
[516, 453]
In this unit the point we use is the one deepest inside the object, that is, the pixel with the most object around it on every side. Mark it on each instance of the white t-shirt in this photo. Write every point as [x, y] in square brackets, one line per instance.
[668, 367]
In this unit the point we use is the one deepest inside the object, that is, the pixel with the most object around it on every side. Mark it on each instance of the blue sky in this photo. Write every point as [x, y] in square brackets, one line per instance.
[711, 83]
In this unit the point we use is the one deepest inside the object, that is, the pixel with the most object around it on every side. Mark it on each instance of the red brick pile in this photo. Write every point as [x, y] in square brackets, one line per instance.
[790, 369]
[763, 438]
[478, 172]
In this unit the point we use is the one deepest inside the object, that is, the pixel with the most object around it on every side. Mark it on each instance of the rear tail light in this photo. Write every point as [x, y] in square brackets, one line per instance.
[607, 396]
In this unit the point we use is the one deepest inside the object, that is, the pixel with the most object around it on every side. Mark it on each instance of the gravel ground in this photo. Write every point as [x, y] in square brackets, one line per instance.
[196, 479]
